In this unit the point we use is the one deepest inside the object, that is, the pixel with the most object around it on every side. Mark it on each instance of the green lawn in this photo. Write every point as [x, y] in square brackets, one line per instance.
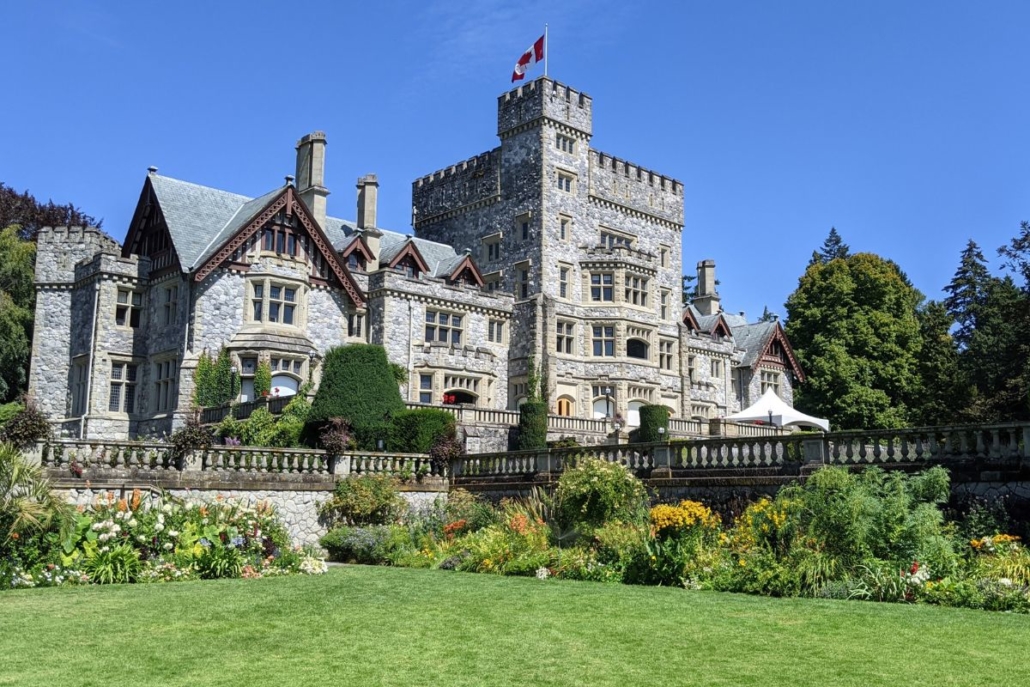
[388, 626]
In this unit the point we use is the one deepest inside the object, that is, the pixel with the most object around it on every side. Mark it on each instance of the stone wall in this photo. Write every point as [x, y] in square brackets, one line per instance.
[297, 508]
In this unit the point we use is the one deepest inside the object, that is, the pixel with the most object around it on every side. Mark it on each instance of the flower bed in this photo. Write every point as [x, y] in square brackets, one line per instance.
[870, 536]
[123, 540]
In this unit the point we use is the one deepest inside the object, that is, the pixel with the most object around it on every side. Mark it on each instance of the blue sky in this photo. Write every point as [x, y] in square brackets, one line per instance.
[902, 124]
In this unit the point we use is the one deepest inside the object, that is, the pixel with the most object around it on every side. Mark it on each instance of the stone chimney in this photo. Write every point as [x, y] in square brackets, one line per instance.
[368, 197]
[311, 174]
[707, 299]
[368, 192]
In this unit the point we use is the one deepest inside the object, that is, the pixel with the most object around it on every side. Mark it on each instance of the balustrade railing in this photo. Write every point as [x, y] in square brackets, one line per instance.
[681, 427]
[737, 453]
[999, 443]
[80, 455]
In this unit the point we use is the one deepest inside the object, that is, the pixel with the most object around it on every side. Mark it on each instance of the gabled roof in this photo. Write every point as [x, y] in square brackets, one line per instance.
[756, 339]
[203, 223]
[707, 324]
[452, 269]
[396, 254]
[194, 214]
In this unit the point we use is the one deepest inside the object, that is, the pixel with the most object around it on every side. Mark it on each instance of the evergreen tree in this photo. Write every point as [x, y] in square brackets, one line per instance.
[993, 327]
[833, 248]
[967, 292]
[852, 322]
[357, 385]
[943, 392]
[766, 315]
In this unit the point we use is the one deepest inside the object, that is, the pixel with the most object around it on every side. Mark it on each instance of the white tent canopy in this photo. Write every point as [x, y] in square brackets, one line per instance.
[771, 407]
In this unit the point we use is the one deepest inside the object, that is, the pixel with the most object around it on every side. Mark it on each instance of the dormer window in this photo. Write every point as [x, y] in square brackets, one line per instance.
[356, 262]
[408, 268]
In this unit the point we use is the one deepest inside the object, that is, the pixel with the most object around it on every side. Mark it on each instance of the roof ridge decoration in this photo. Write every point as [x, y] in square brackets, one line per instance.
[288, 200]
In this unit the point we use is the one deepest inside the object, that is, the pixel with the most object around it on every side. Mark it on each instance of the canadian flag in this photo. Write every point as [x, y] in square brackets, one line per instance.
[533, 55]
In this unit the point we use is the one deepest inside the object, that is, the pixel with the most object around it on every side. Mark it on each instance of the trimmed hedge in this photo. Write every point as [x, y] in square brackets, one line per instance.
[357, 384]
[532, 426]
[415, 431]
[651, 418]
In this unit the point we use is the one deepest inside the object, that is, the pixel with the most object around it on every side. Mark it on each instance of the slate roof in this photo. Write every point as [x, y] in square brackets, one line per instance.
[753, 339]
[200, 219]
[194, 214]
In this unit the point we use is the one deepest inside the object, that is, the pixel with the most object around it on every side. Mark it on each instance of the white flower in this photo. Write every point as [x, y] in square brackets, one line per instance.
[1005, 582]
[140, 538]
[158, 527]
[542, 573]
[167, 508]
[105, 549]
[96, 527]
[167, 546]
[173, 533]
[132, 522]
[160, 518]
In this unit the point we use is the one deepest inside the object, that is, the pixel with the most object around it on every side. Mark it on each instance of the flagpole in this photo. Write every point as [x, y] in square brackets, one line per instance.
[547, 50]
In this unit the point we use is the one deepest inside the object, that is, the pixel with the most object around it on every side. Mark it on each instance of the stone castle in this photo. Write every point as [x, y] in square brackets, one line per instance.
[542, 251]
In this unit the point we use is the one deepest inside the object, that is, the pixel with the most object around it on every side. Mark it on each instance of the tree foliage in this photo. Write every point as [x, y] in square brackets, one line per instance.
[833, 248]
[944, 391]
[30, 215]
[853, 325]
[991, 335]
[358, 385]
[17, 301]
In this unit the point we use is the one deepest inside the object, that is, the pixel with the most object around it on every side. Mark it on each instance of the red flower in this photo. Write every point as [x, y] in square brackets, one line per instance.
[914, 569]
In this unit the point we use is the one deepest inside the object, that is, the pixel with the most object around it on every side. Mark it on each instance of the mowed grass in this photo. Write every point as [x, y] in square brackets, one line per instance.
[387, 626]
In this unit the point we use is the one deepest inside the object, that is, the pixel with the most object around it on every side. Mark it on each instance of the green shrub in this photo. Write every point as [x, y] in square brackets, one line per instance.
[474, 511]
[26, 428]
[563, 442]
[111, 564]
[595, 492]
[358, 385]
[262, 379]
[364, 500]
[259, 429]
[230, 428]
[532, 426]
[373, 545]
[415, 431]
[9, 410]
[653, 418]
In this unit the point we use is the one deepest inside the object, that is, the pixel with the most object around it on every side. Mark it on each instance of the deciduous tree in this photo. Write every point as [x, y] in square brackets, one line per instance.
[852, 322]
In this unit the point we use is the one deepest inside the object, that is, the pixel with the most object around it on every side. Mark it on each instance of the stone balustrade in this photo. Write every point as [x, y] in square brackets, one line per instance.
[77, 456]
[1004, 444]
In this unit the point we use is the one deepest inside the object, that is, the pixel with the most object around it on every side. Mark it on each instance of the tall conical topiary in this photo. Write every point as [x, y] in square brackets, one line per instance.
[358, 385]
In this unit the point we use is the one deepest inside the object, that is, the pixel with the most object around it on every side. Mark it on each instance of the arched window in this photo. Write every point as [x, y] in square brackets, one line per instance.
[566, 406]
[458, 397]
[633, 413]
[636, 348]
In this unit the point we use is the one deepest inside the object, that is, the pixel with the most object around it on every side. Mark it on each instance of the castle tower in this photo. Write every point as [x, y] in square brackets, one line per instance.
[588, 244]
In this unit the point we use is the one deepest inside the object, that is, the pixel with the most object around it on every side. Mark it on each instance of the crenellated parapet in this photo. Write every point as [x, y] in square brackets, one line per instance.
[60, 249]
[544, 98]
[635, 189]
[472, 183]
